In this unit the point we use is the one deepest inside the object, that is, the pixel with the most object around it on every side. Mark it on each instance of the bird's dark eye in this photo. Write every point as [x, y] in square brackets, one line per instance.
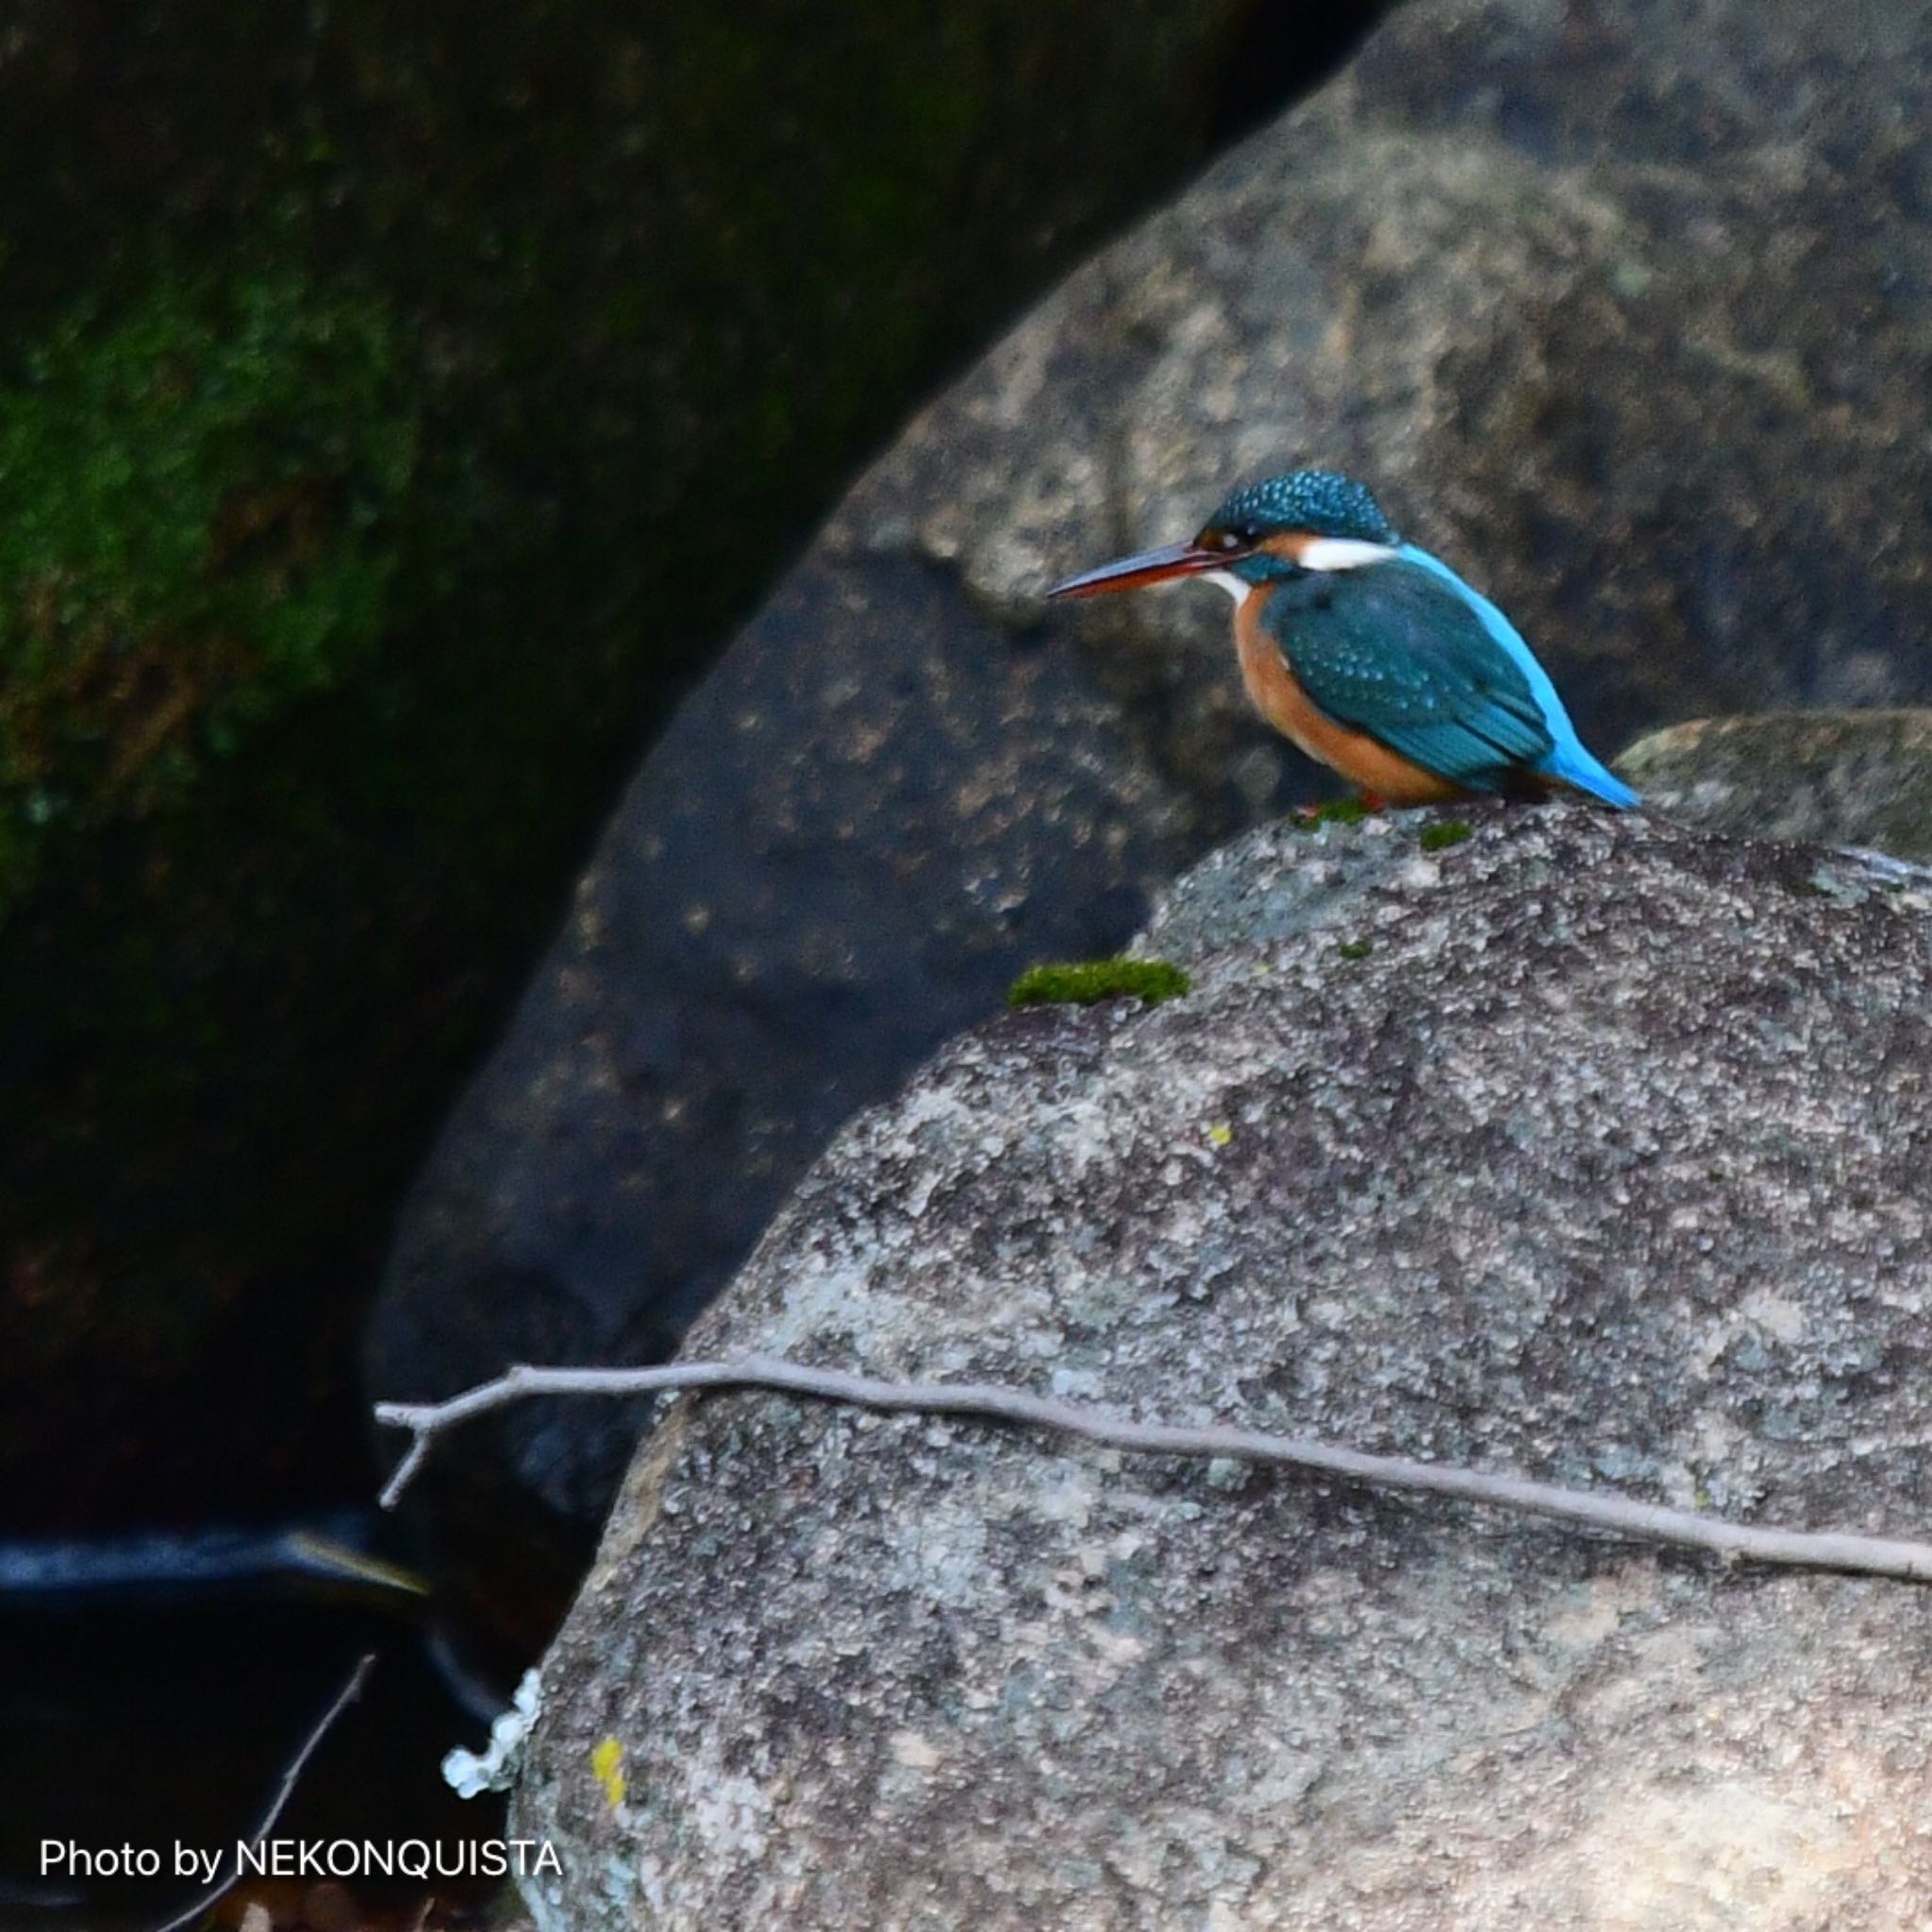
[1220, 540]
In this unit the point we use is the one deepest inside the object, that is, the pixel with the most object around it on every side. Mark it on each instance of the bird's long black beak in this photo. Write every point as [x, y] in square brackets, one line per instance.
[1149, 567]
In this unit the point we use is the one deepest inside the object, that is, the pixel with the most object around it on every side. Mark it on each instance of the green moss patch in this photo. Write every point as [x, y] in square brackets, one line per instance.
[1439, 838]
[201, 495]
[1333, 812]
[1084, 982]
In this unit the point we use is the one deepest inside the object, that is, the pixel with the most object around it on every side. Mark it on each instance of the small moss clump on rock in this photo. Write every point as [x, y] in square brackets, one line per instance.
[1333, 812]
[1440, 838]
[1084, 982]
[1354, 949]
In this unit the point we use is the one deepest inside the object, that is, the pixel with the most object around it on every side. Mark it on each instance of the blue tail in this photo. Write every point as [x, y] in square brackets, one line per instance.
[1576, 766]
[1567, 761]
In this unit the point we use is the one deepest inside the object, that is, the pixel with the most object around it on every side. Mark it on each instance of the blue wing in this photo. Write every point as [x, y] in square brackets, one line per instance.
[1568, 760]
[1404, 651]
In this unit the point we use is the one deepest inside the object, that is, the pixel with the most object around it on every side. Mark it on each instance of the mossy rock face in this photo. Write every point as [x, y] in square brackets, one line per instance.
[208, 509]
[222, 514]
[471, 369]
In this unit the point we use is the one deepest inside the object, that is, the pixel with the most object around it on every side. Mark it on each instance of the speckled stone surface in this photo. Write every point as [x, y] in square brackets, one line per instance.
[1853, 777]
[1606, 1161]
[1626, 310]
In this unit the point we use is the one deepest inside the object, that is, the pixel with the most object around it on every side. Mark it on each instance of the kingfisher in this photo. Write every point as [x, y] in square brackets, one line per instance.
[1372, 655]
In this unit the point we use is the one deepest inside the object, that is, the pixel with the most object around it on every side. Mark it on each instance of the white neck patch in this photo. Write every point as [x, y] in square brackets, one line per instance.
[1233, 585]
[1342, 552]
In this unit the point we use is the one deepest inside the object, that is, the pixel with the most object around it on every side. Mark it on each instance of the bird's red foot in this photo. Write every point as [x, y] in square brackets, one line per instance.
[1373, 801]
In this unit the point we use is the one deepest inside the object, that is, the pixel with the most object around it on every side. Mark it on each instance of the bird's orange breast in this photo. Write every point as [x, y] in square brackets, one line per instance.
[1361, 760]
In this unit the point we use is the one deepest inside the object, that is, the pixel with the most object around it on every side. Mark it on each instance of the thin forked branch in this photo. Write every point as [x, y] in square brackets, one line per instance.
[992, 1402]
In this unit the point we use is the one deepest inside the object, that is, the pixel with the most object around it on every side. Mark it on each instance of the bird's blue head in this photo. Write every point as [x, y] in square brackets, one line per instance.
[1260, 532]
[1318, 502]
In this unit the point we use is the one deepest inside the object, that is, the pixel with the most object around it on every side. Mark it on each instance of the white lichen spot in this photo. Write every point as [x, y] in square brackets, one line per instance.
[468, 1774]
[1116, 1648]
[1070, 1502]
[915, 1751]
[1778, 1316]
[728, 1813]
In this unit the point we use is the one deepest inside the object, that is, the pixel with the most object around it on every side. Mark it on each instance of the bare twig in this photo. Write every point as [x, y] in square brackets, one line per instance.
[1800, 1548]
[284, 1791]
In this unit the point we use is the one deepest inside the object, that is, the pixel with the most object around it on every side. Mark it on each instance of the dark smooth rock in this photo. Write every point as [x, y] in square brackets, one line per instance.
[1605, 1162]
[870, 819]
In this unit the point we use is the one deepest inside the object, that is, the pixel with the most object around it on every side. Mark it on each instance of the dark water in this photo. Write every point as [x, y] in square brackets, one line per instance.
[165, 1717]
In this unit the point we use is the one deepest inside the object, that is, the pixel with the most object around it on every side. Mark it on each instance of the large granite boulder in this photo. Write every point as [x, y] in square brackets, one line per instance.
[398, 404]
[1625, 310]
[1590, 1148]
